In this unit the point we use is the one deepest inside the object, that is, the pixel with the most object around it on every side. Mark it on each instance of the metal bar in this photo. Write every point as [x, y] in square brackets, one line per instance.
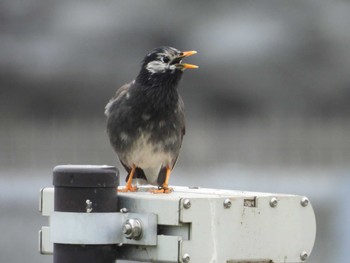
[100, 228]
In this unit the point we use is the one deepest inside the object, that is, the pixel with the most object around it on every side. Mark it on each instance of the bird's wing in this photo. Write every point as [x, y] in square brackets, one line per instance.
[181, 110]
[117, 96]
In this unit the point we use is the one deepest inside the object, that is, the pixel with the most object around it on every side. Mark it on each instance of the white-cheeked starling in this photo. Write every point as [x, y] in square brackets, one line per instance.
[146, 121]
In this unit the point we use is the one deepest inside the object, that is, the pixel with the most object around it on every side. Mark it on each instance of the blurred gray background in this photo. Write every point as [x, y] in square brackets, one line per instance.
[268, 109]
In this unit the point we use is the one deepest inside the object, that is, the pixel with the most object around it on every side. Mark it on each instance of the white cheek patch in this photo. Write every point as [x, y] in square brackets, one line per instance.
[156, 67]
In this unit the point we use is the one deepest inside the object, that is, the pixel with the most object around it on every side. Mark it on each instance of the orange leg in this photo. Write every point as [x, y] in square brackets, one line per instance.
[165, 186]
[129, 187]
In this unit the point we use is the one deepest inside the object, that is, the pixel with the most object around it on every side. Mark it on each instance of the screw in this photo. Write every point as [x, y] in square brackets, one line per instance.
[88, 206]
[124, 210]
[304, 201]
[132, 229]
[227, 203]
[273, 202]
[187, 203]
[186, 258]
[304, 255]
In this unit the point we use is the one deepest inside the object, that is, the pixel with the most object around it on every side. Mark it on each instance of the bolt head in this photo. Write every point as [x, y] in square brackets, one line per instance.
[273, 202]
[304, 202]
[227, 203]
[186, 258]
[127, 229]
[304, 255]
[132, 229]
[187, 203]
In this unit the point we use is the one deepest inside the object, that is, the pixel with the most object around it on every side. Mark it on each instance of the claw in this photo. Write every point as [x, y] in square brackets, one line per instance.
[128, 189]
[162, 190]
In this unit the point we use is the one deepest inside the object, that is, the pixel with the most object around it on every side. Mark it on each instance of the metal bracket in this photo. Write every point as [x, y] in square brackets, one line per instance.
[81, 228]
[192, 225]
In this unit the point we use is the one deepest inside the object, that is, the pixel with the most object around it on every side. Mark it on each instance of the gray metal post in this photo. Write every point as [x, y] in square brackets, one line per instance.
[85, 189]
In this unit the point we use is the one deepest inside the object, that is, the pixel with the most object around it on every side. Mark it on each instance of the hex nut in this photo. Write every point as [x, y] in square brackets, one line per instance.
[132, 229]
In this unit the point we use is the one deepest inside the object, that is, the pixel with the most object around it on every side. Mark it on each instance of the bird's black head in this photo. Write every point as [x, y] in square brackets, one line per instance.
[163, 66]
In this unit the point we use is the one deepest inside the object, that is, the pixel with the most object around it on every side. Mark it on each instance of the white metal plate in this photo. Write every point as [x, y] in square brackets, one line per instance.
[245, 234]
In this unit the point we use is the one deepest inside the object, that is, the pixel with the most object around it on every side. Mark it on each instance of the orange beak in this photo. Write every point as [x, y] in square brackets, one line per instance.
[187, 54]
[185, 65]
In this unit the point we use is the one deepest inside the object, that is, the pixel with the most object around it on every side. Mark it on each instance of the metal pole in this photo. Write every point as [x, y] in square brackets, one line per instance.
[85, 189]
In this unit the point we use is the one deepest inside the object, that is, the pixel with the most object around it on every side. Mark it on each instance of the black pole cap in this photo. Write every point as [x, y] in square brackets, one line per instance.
[85, 189]
[85, 176]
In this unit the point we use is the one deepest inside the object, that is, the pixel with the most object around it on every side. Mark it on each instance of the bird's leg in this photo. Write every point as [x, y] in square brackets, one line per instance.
[165, 186]
[129, 187]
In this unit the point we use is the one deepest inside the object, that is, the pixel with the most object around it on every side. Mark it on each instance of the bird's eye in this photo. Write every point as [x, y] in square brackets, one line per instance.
[165, 59]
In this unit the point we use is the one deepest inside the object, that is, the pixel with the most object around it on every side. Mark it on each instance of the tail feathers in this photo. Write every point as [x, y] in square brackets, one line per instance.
[161, 176]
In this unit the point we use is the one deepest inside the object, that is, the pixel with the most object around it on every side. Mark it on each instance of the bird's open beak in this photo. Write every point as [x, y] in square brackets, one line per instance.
[182, 55]
[188, 53]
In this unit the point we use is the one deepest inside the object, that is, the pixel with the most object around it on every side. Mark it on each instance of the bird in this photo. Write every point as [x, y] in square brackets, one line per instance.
[146, 119]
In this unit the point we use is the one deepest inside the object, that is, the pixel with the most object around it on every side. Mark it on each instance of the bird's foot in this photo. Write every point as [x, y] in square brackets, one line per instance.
[164, 189]
[127, 188]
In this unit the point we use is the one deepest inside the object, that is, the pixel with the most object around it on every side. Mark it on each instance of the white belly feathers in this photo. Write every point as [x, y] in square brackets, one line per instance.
[149, 157]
